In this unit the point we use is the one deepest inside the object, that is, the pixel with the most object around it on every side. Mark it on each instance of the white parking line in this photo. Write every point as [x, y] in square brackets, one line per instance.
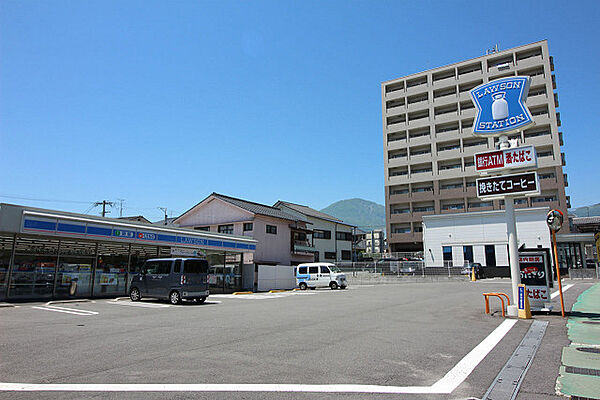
[446, 385]
[147, 305]
[553, 295]
[256, 296]
[66, 310]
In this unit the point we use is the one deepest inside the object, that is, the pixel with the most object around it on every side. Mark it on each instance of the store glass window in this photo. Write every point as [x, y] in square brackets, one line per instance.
[490, 255]
[447, 253]
[34, 268]
[111, 274]
[216, 272]
[468, 254]
[6, 243]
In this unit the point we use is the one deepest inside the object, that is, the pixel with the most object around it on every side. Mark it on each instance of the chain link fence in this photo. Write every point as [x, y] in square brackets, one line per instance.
[384, 271]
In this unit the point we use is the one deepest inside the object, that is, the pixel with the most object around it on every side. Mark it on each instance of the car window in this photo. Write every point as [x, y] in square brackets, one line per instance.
[164, 267]
[324, 270]
[195, 267]
[302, 270]
[177, 267]
[151, 267]
[313, 270]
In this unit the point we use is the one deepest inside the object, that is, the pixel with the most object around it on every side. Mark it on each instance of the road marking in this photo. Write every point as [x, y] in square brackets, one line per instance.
[255, 296]
[553, 295]
[147, 305]
[446, 385]
[66, 310]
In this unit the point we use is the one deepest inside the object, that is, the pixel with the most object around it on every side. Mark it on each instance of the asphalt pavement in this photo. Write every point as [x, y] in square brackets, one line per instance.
[413, 335]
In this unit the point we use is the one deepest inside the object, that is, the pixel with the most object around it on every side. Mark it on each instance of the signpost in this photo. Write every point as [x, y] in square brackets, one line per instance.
[535, 274]
[554, 219]
[501, 109]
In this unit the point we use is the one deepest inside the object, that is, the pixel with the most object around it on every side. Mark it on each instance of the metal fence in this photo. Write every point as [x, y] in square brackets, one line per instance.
[397, 271]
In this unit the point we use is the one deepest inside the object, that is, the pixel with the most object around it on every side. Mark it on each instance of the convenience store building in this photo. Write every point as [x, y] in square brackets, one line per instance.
[48, 254]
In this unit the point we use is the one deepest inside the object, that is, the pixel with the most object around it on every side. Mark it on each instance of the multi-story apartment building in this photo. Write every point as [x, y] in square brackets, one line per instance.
[429, 144]
[375, 241]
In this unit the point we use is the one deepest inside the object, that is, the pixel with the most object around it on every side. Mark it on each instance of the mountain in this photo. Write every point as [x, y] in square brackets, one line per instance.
[365, 214]
[586, 211]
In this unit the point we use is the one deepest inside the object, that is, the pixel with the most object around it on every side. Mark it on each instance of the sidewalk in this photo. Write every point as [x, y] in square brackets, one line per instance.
[580, 371]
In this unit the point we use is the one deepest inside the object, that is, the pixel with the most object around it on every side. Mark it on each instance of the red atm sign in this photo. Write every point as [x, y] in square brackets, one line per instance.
[518, 157]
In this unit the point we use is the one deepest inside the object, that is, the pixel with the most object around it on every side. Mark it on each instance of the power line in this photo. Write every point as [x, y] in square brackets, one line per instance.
[47, 200]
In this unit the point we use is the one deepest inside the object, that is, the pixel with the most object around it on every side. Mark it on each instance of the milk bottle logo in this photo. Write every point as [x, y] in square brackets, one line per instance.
[501, 106]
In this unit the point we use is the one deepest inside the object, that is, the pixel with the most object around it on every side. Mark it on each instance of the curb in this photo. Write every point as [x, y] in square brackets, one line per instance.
[277, 291]
[6, 305]
[119, 298]
[69, 301]
[236, 293]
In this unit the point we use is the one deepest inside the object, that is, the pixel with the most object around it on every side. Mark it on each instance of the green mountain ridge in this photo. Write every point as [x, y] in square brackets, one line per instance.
[365, 214]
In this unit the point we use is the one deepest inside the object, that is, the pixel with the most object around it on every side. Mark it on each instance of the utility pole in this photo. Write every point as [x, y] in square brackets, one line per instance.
[121, 207]
[164, 209]
[104, 203]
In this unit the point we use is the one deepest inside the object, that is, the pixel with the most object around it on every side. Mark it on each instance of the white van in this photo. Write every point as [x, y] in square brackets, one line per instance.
[314, 275]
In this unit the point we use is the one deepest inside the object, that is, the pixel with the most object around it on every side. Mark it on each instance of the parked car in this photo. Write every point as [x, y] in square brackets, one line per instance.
[468, 268]
[314, 275]
[172, 279]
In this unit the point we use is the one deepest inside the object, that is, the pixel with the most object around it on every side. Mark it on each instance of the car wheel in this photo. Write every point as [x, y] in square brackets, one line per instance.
[174, 297]
[303, 286]
[200, 300]
[333, 285]
[134, 294]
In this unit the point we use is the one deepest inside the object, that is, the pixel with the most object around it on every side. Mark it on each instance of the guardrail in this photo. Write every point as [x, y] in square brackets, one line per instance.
[396, 271]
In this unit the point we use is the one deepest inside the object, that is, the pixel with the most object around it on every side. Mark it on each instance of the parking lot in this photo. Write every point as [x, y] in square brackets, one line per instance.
[354, 343]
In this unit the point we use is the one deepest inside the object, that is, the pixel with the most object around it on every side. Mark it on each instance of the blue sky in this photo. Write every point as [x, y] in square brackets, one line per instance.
[162, 103]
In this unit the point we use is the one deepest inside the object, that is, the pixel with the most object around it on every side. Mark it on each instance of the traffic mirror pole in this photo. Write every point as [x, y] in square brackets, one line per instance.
[562, 302]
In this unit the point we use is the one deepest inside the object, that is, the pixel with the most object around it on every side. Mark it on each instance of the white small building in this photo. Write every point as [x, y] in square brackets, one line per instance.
[480, 237]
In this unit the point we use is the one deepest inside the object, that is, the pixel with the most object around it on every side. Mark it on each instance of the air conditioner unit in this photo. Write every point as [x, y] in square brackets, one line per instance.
[503, 66]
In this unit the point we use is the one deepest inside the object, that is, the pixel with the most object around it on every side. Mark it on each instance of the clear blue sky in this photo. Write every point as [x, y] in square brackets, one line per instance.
[162, 103]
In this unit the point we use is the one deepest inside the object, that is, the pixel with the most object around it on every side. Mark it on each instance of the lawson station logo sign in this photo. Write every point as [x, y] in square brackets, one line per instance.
[501, 106]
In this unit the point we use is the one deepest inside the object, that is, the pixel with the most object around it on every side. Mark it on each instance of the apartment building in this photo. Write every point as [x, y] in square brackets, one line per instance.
[429, 143]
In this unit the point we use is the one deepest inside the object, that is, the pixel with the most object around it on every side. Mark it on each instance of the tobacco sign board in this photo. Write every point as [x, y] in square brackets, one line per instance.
[517, 157]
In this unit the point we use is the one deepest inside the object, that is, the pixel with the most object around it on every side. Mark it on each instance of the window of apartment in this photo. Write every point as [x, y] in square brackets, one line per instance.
[490, 255]
[272, 229]
[346, 255]
[347, 236]
[468, 253]
[202, 228]
[447, 252]
[226, 229]
[321, 234]
[330, 255]
[248, 226]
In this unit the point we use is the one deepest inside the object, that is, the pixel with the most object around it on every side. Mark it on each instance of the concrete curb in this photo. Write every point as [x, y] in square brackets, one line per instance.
[236, 293]
[278, 291]
[119, 298]
[6, 305]
[69, 301]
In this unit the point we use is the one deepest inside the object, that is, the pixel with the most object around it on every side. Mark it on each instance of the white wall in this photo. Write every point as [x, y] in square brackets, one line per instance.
[272, 277]
[479, 229]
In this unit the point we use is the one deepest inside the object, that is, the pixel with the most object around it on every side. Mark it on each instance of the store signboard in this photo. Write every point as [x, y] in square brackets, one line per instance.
[500, 186]
[501, 106]
[517, 157]
[534, 275]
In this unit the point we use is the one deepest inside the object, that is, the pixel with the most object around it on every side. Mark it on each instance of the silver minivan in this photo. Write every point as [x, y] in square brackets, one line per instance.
[172, 279]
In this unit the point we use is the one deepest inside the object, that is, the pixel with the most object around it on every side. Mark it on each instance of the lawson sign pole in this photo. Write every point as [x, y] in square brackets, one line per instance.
[501, 110]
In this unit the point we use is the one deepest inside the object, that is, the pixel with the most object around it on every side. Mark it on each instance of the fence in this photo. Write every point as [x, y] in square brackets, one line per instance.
[397, 271]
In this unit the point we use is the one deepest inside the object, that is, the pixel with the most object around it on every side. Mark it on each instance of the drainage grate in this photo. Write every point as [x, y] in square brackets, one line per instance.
[595, 350]
[583, 398]
[582, 371]
[591, 322]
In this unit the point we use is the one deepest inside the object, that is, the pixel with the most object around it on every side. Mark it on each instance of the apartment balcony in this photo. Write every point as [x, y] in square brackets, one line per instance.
[448, 154]
[422, 196]
[400, 218]
[418, 106]
[419, 158]
[395, 95]
[399, 198]
[470, 76]
[548, 184]
[446, 117]
[406, 237]
[419, 140]
[397, 162]
[444, 100]
[541, 140]
[450, 173]
[470, 170]
[537, 100]
[390, 112]
[410, 91]
[419, 214]
[542, 119]
[453, 193]
[302, 247]
[548, 161]
[465, 96]
[538, 80]
[530, 62]
[397, 127]
[397, 144]
[468, 113]
[471, 150]
[441, 83]
[418, 123]
[470, 191]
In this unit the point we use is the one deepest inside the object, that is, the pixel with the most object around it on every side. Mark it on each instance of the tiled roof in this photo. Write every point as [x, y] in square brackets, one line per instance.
[310, 212]
[258, 208]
